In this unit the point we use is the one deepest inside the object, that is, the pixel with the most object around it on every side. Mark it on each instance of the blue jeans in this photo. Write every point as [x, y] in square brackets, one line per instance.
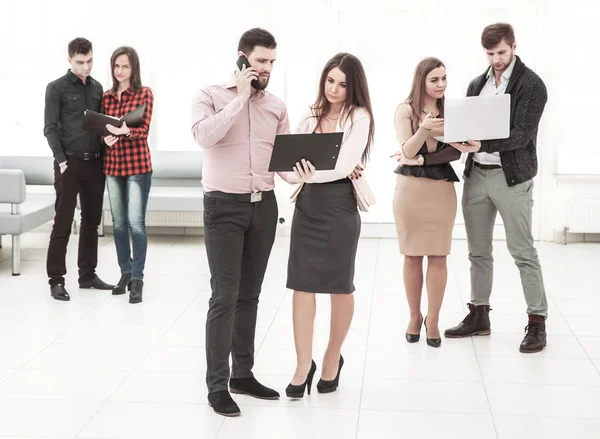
[128, 198]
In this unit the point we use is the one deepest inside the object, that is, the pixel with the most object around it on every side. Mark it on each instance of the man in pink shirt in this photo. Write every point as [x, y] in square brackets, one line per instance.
[236, 124]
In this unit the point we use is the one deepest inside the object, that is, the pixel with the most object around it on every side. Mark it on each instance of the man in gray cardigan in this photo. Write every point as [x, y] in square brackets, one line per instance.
[498, 178]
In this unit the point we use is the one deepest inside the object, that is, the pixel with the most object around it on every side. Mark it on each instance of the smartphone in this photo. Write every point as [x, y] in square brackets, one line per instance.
[243, 61]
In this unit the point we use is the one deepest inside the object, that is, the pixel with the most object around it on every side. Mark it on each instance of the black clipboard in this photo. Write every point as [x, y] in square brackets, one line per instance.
[321, 149]
[96, 122]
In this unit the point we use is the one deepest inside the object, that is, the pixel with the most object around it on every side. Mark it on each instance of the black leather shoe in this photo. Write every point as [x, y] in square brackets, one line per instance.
[59, 293]
[330, 386]
[535, 335]
[477, 322]
[223, 404]
[250, 386]
[122, 285]
[297, 391]
[433, 342]
[95, 282]
[413, 338]
[136, 286]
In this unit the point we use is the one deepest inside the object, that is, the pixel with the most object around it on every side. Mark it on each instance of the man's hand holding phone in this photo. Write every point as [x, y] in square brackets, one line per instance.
[245, 77]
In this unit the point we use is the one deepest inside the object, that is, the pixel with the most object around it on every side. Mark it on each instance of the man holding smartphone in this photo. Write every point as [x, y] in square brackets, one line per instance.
[236, 124]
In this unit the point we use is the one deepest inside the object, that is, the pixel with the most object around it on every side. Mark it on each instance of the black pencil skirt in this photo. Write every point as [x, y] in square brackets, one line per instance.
[324, 239]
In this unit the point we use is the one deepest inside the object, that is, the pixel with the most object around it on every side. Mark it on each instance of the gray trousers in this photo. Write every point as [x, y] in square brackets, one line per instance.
[238, 238]
[485, 194]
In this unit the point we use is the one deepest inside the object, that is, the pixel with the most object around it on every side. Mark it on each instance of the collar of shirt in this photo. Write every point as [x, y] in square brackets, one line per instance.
[507, 73]
[74, 78]
[232, 83]
[128, 91]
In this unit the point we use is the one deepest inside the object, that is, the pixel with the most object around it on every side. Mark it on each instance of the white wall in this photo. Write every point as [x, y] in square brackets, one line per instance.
[186, 45]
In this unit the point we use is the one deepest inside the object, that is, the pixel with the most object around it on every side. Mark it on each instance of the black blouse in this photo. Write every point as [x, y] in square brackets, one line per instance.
[436, 165]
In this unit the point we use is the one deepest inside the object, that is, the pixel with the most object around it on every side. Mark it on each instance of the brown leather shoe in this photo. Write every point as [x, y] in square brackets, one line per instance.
[535, 335]
[477, 322]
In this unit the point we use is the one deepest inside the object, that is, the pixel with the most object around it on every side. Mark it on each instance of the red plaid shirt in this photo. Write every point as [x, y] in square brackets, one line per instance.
[130, 155]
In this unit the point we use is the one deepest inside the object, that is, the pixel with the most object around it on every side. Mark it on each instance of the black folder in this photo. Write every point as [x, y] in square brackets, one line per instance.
[96, 122]
[321, 149]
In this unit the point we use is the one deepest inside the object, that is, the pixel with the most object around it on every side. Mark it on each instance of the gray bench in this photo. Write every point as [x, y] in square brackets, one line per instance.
[26, 199]
[27, 196]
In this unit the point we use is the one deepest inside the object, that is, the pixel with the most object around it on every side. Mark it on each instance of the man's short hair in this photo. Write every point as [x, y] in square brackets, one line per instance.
[80, 46]
[256, 37]
[494, 34]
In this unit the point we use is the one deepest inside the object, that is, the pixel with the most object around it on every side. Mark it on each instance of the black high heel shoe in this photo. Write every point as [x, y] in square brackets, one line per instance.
[413, 338]
[293, 391]
[433, 342]
[331, 386]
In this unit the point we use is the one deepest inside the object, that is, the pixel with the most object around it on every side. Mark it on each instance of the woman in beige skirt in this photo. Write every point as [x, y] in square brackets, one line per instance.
[425, 199]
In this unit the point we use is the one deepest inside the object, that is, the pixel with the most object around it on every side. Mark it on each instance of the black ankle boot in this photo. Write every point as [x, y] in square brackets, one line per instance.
[477, 322]
[535, 335]
[122, 285]
[293, 391]
[136, 287]
[330, 386]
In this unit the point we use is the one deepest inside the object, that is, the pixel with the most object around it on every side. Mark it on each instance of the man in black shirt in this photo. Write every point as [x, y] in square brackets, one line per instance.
[78, 169]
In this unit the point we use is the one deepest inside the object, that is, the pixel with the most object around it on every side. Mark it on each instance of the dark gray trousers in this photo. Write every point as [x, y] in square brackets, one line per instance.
[238, 236]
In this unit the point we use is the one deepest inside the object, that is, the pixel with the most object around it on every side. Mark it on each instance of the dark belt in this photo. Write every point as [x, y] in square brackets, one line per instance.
[85, 156]
[247, 198]
[486, 167]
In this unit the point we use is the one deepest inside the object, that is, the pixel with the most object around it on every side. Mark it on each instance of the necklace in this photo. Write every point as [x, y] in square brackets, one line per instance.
[331, 118]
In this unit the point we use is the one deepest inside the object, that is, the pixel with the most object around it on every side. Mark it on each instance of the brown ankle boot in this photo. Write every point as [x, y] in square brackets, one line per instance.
[535, 335]
[477, 322]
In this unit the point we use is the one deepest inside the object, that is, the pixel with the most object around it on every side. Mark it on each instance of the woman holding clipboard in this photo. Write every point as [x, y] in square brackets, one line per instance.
[326, 223]
[128, 169]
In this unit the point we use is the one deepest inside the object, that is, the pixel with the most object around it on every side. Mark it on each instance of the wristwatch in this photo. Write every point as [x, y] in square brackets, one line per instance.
[420, 160]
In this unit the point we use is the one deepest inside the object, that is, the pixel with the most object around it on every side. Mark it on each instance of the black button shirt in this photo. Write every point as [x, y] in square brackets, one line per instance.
[66, 100]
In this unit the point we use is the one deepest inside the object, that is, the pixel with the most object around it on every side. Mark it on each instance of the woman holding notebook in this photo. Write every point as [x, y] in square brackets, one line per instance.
[128, 169]
[326, 223]
[425, 199]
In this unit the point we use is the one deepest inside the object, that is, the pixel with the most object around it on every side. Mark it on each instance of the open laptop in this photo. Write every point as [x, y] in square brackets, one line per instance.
[476, 118]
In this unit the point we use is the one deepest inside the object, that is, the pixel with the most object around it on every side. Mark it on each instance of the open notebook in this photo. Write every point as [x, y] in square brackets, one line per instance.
[96, 122]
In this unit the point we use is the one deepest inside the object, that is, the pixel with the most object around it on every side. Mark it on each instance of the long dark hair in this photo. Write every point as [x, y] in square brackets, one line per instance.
[357, 93]
[417, 91]
[134, 61]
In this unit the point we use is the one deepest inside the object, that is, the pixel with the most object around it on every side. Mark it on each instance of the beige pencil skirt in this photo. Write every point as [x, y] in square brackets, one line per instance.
[424, 210]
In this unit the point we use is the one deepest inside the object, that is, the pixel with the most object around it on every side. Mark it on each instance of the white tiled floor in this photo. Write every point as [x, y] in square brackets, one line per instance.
[99, 368]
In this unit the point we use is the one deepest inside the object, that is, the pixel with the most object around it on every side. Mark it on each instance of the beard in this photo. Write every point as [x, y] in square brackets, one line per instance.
[261, 83]
[502, 68]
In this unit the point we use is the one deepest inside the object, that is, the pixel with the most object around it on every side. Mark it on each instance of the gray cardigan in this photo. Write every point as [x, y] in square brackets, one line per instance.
[527, 101]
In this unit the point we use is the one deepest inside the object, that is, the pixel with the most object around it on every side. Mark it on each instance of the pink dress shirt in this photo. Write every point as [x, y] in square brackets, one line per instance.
[237, 137]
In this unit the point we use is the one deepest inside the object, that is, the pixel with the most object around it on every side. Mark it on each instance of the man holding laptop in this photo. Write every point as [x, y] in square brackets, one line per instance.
[499, 178]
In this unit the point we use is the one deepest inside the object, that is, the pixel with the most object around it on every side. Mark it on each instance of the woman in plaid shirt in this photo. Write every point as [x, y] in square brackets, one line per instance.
[128, 169]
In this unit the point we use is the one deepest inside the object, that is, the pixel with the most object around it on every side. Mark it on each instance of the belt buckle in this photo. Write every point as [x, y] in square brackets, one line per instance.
[255, 197]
